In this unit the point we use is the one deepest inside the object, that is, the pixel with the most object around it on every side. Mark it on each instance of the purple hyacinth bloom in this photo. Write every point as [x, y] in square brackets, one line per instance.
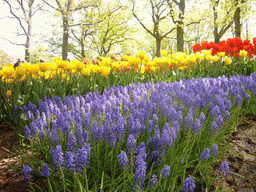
[71, 141]
[238, 100]
[215, 112]
[57, 156]
[123, 160]
[181, 161]
[112, 140]
[226, 115]
[131, 143]
[205, 154]
[224, 169]
[140, 174]
[85, 136]
[202, 118]
[45, 171]
[27, 173]
[55, 137]
[80, 159]
[41, 135]
[214, 151]
[189, 184]
[165, 171]
[188, 121]
[69, 160]
[219, 121]
[30, 116]
[247, 97]
[27, 132]
[196, 127]
[214, 127]
[79, 134]
[153, 181]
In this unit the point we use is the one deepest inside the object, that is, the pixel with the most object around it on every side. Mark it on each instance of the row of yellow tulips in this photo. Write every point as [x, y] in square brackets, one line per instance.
[141, 63]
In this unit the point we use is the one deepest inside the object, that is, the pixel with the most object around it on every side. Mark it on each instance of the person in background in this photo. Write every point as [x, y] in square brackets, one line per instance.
[42, 61]
[17, 63]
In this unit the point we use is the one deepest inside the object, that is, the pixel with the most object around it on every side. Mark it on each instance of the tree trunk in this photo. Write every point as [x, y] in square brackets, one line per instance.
[65, 39]
[180, 27]
[27, 44]
[237, 20]
[84, 32]
[158, 46]
[215, 18]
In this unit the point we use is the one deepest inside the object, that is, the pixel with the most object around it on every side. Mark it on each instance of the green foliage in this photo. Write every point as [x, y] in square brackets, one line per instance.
[40, 52]
[5, 59]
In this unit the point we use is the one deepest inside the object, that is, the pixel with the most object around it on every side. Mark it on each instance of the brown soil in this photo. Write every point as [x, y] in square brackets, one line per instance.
[242, 177]
[12, 179]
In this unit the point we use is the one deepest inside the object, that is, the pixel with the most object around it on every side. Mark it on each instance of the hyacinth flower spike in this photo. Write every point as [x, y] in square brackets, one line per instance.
[27, 173]
[189, 184]
[224, 169]
[46, 174]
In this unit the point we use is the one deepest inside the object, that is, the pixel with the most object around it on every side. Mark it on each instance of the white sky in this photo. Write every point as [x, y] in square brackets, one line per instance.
[41, 23]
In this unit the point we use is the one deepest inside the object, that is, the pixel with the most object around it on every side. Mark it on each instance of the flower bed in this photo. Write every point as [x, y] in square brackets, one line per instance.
[142, 136]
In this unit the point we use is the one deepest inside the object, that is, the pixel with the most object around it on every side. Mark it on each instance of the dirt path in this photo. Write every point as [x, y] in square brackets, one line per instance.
[242, 177]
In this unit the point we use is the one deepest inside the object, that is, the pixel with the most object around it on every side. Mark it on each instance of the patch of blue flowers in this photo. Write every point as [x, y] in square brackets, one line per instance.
[143, 123]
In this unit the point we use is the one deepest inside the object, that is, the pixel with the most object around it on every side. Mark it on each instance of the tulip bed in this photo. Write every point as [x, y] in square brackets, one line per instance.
[135, 124]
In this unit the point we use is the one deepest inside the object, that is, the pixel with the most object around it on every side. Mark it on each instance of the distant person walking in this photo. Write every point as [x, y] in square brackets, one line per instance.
[17, 63]
[42, 61]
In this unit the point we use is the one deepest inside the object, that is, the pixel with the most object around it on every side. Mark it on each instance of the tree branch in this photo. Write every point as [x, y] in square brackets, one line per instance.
[12, 42]
[16, 17]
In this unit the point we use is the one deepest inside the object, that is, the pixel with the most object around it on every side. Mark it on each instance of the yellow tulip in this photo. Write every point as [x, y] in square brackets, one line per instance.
[53, 67]
[221, 54]
[124, 63]
[141, 54]
[152, 68]
[106, 61]
[208, 57]
[8, 70]
[20, 71]
[42, 67]
[243, 53]
[207, 52]
[22, 78]
[152, 63]
[142, 70]
[125, 57]
[79, 65]
[199, 55]
[227, 60]
[9, 94]
[115, 65]
[192, 59]
[9, 81]
[40, 73]
[68, 66]
[86, 72]
[159, 60]
[105, 71]
[215, 58]
[164, 53]
[132, 60]
[146, 59]
[1, 73]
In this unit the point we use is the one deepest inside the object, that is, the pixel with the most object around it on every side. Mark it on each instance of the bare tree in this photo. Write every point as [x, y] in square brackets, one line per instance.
[93, 20]
[224, 25]
[28, 9]
[65, 8]
[158, 14]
